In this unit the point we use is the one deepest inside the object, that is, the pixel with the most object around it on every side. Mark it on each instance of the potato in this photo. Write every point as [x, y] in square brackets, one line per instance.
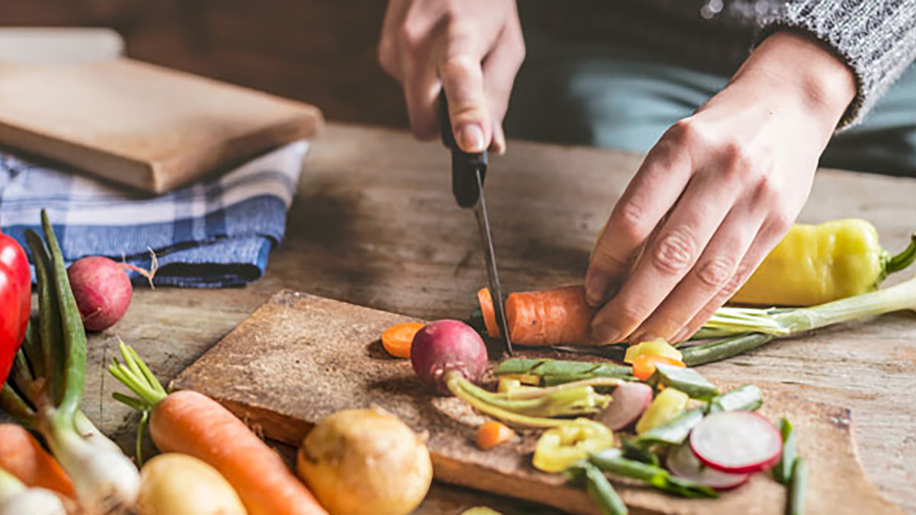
[365, 462]
[176, 484]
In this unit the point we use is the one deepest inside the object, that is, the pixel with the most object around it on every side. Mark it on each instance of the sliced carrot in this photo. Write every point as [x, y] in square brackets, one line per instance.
[22, 456]
[190, 423]
[398, 338]
[493, 433]
[644, 365]
[550, 317]
[489, 312]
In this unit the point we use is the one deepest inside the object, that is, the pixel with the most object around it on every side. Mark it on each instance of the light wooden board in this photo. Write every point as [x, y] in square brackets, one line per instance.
[139, 124]
[300, 358]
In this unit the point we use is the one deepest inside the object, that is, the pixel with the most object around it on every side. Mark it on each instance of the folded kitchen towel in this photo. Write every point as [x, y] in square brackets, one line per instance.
[211, 234]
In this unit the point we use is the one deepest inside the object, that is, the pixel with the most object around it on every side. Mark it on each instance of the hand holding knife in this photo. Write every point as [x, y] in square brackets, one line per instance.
[468, 174]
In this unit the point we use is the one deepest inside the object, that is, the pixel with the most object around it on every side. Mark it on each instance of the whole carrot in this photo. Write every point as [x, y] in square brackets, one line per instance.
[22, 456]
[190, 423]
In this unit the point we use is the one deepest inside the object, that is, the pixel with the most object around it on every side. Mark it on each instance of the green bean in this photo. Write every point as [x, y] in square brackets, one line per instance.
[724, 349]
[782, 472]
[797, 488]
[743, 398]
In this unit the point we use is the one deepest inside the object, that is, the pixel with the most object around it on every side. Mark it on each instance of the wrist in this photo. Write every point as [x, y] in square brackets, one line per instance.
[798, 68]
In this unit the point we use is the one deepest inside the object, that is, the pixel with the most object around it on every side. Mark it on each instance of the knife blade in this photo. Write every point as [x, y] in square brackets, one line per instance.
[468, 175]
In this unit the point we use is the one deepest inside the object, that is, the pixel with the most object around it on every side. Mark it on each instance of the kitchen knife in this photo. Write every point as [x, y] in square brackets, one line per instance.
[468, 174]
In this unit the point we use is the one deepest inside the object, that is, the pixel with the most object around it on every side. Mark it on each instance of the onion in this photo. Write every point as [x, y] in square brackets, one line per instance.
[446, 349]
[365, 462]
[34, 501]
[176, 484]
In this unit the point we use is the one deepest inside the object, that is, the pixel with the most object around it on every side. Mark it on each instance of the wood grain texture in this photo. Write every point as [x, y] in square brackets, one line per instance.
[374, 224]
[139, 124]
[300, 358]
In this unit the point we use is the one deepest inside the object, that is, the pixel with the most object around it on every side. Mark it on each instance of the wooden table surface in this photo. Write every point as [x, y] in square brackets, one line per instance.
[374, 224]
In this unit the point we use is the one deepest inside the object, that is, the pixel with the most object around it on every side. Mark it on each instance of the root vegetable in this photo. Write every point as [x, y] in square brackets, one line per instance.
[17, 499]
[736, 442]
[630, 400]
[365, 462]
[102, 290]
[176, 484]
[22, 456]
[447, 349]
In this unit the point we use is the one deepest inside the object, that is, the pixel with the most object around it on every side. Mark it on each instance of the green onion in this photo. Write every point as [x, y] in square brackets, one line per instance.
[673, 432]
[782, 472]
[555, 372]
[724, 349]
[743, 398]
[796, 505]
[613, 462]
[598, 487]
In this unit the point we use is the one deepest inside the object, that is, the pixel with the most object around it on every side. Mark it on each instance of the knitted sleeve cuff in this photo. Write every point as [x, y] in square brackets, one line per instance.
[875, 38]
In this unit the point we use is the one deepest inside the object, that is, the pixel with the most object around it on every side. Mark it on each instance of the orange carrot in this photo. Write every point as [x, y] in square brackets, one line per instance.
[644, 365]
[398, 338]
[489, 312]
[22, 456]
[190, 423]
[493, 433]
[546, 317]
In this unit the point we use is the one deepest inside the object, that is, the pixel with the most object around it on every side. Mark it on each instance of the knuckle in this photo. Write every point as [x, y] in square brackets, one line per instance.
[716, 272]
[780, 223]
[675, 252]
[457, 66]
[689, 132]
[411, 36]
[737, 159]
[630, 314]
[732, 285]
[628, 222]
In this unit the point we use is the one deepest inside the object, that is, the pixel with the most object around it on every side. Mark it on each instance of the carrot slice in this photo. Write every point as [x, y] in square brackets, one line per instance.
[550, 317]
[493, 433]
[398, 338]
[644, 365]
[489, 312]
[23, 457]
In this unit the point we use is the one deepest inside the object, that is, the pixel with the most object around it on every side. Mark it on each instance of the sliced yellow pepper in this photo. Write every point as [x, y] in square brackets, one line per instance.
[560, 447]
[658, 347]
[815, 264]
[668, 404]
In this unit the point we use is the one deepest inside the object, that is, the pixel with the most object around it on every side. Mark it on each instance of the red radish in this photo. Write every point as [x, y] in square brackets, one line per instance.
[103, 290]
[446, 348]
[736, 442]
[629, 401]
[682, 462]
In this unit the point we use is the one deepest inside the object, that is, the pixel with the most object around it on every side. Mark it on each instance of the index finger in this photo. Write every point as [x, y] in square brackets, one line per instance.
[461, 72]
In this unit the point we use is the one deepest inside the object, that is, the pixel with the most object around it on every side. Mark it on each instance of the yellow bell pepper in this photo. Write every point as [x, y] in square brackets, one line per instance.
[657, 347]
[668, 404]
[815, 264]
[560, 447]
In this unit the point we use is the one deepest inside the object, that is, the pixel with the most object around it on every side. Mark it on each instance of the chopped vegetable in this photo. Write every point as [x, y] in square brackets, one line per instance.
[797, 487]
[683, 463]
[22, 456]
[15, 301]
[672, 432]
[644, 365]
[397, 339]
[560, 447]
[658, 347]
[612, 461]
[668, 404]
[507, 384]
[743, 398]
[815, 264]
[545, 317]
[599, 488]
[177, 484]
[726, 348]
[782, 471]
[492, 433]
[49, 380]
[736, 442]
[17, 499]
[630, 400]
[480, 510]
[189, 423]
[561, 371]
[686, 380]
[365, 462]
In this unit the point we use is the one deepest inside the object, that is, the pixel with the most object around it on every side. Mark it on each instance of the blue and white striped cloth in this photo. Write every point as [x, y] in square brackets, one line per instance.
[211, 234]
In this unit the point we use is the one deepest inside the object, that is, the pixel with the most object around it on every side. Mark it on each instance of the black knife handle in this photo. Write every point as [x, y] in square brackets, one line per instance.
[464, 165]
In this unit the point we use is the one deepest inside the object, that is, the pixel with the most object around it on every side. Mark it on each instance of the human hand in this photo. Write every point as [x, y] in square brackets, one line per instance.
[717, 192]
[471, 48]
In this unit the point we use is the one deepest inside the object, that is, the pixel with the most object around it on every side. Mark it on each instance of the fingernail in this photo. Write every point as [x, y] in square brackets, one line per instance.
[597, 289]
[605, 333]
[472, 138]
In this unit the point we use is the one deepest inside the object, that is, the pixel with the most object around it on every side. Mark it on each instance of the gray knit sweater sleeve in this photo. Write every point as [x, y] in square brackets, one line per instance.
[876, 39]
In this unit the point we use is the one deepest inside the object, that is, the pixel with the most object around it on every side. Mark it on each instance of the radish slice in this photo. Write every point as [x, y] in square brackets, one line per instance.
[629, 401]
[736, 442]
[683, 462]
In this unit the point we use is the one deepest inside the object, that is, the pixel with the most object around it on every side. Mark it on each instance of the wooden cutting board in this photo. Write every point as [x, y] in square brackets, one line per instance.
[142, 125]
[299, 358]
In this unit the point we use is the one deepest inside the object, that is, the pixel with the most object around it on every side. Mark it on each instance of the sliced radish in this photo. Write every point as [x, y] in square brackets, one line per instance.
[736, 442]
[683, 462]
[629, 401]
